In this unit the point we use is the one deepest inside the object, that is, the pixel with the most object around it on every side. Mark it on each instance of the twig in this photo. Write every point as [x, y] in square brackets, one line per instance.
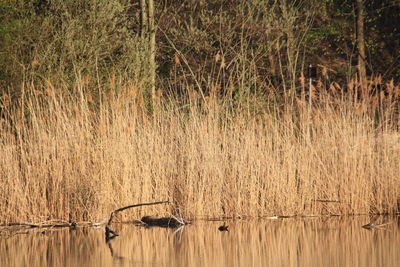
[326, 200]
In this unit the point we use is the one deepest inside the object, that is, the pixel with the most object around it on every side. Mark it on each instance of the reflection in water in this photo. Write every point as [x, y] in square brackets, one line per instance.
[327, 241]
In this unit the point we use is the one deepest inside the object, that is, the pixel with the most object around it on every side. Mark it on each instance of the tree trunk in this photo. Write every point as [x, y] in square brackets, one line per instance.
[361, 41]
[288, 29]
[152, 58]
[143, 19]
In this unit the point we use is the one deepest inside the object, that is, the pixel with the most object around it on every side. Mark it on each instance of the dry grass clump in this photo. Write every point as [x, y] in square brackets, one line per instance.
[65, 157]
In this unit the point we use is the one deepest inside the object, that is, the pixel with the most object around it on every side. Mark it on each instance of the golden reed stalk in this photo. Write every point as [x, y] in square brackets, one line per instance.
[68, 159]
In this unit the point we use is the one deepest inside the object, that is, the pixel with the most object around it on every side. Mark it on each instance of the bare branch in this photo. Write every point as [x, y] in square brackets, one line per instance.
[133, 206]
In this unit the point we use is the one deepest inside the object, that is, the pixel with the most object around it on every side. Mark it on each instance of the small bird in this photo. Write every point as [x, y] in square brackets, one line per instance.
[223, 228]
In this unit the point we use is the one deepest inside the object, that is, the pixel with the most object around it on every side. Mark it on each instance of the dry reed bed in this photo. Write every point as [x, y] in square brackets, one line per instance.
[69, 160]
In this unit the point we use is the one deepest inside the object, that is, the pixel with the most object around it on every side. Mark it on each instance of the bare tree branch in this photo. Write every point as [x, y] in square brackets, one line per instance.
[133, 206]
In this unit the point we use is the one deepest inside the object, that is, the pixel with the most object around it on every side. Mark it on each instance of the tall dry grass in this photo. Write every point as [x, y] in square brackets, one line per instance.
[69, 158]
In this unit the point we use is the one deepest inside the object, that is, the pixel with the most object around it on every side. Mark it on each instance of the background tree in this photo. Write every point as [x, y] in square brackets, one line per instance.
[225, 46]
[152, 43]
[361, 41]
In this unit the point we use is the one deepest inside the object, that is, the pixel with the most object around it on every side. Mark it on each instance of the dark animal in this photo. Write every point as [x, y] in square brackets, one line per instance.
[223, 228]
[169, 222]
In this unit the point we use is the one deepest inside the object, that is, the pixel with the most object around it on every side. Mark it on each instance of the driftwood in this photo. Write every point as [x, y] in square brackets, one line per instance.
[133, 206]
[14, 228]
[171, 222]
[110, 234]
[71, 225]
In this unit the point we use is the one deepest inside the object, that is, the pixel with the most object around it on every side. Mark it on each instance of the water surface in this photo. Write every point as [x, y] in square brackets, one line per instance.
[326, 241]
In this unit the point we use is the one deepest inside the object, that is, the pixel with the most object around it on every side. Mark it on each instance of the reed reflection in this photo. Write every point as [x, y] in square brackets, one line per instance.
[329, 241]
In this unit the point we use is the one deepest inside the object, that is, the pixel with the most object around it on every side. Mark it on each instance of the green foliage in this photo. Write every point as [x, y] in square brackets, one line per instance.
[244, 44]
[333, 36]
[8, 26]
[206, 44]
[63, 39]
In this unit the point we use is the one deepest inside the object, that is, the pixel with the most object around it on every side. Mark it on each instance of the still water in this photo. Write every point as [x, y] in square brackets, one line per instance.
[327, 241]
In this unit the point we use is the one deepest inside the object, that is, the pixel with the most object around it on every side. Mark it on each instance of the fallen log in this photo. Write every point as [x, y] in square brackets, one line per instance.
[169, 222]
